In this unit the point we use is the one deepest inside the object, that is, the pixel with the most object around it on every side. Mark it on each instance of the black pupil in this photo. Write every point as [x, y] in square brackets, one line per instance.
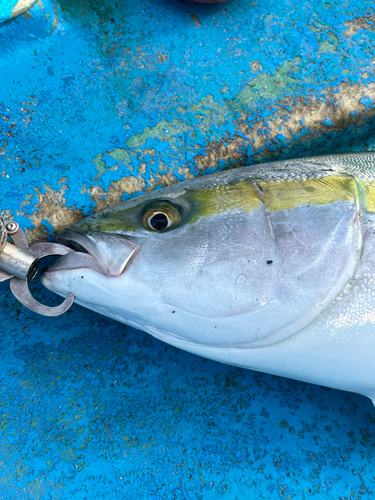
[159, 222]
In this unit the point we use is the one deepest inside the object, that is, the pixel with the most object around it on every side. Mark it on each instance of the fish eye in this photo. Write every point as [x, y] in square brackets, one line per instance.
[159, 221]
[160, 217]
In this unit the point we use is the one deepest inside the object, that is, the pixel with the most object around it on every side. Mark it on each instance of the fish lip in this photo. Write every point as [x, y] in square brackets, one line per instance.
[108, 254]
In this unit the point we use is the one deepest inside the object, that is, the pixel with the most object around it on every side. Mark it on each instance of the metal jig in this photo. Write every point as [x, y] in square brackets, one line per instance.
[19, 263]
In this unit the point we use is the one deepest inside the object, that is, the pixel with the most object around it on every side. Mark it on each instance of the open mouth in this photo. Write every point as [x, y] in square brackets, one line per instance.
[108, 254]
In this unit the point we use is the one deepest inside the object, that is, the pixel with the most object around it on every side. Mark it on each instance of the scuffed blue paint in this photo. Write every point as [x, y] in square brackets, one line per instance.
[92, 409]
[6, 7]
[366, 101]
[102, 91]
[328, 122]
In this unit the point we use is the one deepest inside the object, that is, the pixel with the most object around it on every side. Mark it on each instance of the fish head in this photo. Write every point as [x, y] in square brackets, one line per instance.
[225, 260]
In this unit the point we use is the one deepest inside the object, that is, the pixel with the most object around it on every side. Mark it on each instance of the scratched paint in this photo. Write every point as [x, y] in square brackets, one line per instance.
[100, 101]
[12, 8]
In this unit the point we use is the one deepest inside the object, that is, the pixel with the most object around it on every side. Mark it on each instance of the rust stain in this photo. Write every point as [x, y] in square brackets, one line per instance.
[195, 18]
[360, 23]
[334, 107]
[116, 190]
[51, 206]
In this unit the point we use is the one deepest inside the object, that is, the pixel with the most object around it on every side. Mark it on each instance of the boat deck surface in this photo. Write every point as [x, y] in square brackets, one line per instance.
[99, 102]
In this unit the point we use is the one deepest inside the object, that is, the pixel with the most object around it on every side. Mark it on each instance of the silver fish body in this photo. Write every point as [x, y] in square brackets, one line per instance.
[269, 267]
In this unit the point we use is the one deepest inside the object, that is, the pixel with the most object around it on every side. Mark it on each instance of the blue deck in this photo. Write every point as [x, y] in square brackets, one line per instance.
[101, 101]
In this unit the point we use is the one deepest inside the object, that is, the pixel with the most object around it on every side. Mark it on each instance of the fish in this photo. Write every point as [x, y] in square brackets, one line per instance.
[268, 267]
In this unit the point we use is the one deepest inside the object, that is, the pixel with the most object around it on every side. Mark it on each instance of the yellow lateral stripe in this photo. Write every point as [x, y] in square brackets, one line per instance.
[367, 195]
[280, 194]
[209, 202]
[285, 194]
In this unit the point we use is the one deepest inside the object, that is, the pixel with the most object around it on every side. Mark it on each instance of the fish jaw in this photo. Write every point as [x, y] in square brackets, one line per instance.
[107, 254]
[94, 275]
[118, 297]
[93, 290]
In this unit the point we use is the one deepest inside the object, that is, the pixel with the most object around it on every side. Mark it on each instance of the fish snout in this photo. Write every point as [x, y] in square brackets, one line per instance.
[106, 253]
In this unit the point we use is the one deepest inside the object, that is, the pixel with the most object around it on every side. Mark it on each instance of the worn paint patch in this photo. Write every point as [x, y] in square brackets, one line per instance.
[270, 87]
[299, 120]
[13, 8]
[329, 46]
[163, 131]
[365, 23]
[50, 211]
[21, 6]
[129, 185]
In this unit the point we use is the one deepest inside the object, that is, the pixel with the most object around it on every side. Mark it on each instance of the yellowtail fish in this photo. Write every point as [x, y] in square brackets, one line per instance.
[267, 267]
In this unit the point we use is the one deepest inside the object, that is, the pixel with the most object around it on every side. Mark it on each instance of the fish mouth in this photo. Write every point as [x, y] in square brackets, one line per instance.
[105, 253]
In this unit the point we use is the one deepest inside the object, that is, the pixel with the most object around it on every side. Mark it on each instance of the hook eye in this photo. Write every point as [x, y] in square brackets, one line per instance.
[20, 288]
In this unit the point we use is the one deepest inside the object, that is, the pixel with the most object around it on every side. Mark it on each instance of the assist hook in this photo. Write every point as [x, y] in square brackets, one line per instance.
[19, 263]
